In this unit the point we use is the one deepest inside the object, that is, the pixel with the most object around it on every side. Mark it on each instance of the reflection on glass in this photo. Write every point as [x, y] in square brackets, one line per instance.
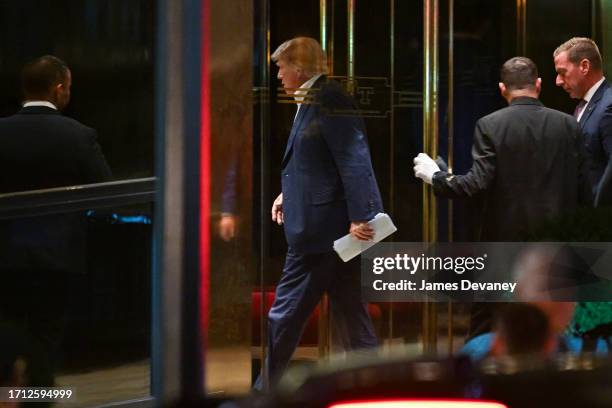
[75, 302]
[484, 37]
[74, 307]
[108, 46]
[228, 352]
[75, 295]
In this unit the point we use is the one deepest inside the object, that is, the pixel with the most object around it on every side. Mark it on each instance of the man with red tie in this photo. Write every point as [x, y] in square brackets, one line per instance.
[328, 190]
[579, 69]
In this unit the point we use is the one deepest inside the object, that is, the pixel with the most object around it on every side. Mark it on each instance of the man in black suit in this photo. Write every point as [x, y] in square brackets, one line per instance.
[40, 148]
[528, 164]
[580, 73]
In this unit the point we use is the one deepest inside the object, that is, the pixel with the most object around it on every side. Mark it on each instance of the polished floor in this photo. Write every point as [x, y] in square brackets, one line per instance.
[228, 372]
[103, 386]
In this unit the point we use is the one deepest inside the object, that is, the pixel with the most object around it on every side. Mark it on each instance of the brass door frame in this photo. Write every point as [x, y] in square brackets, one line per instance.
[450, 149]
[430, 146]
[521, 26]
[261, 96]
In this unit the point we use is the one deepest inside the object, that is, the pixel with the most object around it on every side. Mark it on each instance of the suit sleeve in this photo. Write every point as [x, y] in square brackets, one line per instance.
[230, 184]
[480, 175]
[344, 134]
[604, 189]
[93, 165]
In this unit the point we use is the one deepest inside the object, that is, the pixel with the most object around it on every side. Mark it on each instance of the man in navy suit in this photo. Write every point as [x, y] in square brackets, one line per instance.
[579, 71]
[328, 190]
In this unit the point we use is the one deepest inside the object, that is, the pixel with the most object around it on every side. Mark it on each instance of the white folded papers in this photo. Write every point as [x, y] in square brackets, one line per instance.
[349, 247]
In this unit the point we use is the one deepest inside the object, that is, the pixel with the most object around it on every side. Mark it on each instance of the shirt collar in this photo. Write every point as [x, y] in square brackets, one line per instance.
[525, 100]
[589, 95]
[301, 92]
[40, 103]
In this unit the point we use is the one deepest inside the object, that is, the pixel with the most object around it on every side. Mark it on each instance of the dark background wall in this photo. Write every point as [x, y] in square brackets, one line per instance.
[549, 24]
[109, 45]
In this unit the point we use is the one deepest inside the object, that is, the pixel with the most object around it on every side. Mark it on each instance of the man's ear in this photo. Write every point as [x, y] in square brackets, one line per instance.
[584, 66]
[502, 89]
[538, 85]
[56, 90]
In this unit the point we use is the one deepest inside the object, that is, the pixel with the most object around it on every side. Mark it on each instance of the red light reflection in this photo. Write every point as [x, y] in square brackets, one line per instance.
[413, 403]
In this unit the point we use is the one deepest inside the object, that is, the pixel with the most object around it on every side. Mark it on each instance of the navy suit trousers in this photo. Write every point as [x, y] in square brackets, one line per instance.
[305, 278]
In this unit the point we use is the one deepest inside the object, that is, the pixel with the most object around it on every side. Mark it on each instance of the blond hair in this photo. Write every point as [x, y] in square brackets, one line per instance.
[304, 53]
[579, 48]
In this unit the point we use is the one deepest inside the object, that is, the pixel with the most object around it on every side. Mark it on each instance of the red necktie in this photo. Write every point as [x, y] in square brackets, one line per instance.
[579, 108]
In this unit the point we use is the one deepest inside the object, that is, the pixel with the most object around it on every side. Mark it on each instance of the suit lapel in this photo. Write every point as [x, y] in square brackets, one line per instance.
[304, 109]
[593, 103]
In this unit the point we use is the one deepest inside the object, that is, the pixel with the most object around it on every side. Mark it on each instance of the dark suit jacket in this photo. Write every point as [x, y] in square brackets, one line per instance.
[596, 124]
[40, 148]
[528, 164]
[327, 176]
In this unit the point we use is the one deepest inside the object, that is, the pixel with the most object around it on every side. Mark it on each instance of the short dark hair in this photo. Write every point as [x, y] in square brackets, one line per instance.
[519, 73]
[40, 75]
[579, 48]
[523, 327]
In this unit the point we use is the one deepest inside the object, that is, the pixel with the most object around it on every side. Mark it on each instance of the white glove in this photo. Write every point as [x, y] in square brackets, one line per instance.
[425, 167]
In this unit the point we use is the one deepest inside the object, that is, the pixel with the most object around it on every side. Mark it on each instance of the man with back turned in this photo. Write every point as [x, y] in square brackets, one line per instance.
[39, 149]
[528, 165]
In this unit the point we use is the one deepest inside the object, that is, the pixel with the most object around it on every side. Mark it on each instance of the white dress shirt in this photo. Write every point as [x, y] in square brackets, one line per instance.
[301, 92]
[40, 103]
[589, 95]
